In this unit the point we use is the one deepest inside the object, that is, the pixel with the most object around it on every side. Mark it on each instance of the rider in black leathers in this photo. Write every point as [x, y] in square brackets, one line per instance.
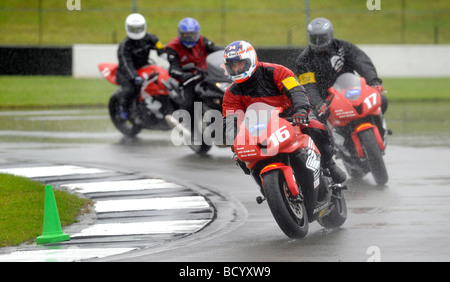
[133, 53]
[326, 58]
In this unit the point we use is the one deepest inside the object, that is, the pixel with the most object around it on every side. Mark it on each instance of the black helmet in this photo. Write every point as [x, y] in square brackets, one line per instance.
[320, 33]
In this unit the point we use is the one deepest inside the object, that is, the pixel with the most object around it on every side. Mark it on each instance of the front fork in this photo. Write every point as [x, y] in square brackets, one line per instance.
[357, 142]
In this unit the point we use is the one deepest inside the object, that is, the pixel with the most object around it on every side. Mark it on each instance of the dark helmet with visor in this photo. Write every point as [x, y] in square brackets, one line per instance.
[320, 34]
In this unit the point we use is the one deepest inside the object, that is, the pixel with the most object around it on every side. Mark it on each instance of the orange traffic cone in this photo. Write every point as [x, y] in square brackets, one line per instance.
[52, 231]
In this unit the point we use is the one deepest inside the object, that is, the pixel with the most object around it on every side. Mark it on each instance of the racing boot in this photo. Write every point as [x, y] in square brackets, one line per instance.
[337, 174]
[323, 141]
[124, 114]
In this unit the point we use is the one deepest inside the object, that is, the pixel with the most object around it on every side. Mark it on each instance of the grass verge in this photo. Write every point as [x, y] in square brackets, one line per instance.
[53, 91]
[22, 209]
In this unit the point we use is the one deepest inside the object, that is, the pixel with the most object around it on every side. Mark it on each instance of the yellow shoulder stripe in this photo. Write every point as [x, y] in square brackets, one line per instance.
[159, 45]
[306, 78]
[290, 82]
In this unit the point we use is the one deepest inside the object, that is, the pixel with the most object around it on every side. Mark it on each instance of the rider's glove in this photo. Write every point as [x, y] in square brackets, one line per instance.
[300, 117]
[138, 80]
[379, 88]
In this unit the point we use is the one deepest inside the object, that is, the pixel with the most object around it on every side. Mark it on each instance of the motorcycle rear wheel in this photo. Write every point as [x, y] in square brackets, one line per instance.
[374, 157]
[126, 127]
[338, 214]
[289, 214]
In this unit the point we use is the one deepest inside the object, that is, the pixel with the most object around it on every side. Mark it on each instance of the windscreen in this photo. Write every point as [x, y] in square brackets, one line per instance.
[257, 117]
[349, 85]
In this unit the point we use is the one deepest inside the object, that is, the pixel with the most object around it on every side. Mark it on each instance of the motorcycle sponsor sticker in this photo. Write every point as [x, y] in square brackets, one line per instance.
[321, 207]
[306, 78]
[313, 163]
[257, 127]
[352, 92]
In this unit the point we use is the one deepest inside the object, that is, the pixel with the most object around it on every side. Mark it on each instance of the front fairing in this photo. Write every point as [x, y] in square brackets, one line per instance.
[154, 76]
[352, 99]
[216, 68]
[216, 77]
[263, 134]
[108, 71]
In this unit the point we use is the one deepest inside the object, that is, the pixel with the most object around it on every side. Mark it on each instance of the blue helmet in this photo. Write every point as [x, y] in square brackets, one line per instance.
[189, 32]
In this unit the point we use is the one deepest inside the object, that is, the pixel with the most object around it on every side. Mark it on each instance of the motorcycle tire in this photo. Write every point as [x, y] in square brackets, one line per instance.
[200, 148]
[289, 214]
[374, 157]
[126, 127]
[338, 214]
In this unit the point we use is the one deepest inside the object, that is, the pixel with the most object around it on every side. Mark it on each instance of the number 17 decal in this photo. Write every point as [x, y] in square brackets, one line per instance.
[371, 100]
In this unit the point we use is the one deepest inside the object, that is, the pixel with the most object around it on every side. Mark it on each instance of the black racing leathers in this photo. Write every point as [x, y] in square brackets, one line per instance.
[132, 55]
[318, 70]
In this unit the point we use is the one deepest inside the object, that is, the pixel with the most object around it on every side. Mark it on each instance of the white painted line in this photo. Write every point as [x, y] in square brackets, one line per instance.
[62, 255]
[143, 228]
[189, 202]
[45, 171]
[126, 185]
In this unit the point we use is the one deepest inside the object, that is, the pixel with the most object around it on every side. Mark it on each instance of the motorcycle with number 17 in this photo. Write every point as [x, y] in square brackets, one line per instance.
[353, 112]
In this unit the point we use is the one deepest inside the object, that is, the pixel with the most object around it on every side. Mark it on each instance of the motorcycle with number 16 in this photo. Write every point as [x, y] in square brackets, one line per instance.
[285, 163]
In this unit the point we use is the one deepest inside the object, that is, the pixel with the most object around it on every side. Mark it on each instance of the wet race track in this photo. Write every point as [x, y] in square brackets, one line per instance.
[160, 202]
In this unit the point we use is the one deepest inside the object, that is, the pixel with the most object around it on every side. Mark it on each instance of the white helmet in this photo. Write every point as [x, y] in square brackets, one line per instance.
[135, 26]
[240, 51]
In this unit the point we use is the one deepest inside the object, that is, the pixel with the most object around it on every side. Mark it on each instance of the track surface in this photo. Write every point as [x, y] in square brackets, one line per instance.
[405, 221]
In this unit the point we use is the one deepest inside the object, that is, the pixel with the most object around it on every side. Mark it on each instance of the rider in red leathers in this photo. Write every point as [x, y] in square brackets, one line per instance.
[275, 85]
[188, 47]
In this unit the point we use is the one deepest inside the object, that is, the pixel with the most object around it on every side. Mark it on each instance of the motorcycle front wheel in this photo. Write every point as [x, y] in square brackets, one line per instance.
[289, 213]
[198, 144]
[374, 157]
[125, 126]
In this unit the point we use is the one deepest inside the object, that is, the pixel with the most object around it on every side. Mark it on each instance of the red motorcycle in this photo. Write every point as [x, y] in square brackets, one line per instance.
[285, 163]
[154, 102]
[358, 127]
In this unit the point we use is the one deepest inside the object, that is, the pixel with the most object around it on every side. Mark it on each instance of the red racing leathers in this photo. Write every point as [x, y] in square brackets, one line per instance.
[271, 84]
[179, 55]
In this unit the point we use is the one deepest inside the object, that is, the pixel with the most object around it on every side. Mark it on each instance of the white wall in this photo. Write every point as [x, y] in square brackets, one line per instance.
[86, 57]
[410, 60]
[390, 60]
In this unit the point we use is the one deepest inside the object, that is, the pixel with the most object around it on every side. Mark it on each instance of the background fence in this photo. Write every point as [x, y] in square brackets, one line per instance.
[262, 22]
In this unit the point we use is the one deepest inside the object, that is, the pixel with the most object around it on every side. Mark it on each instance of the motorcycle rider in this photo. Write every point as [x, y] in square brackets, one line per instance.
[273, 84]
[133, 53]
[190, 46]
[326, 58]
